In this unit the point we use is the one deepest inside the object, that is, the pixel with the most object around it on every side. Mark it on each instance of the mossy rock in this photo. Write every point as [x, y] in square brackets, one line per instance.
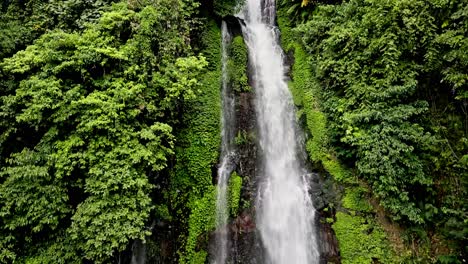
[235, 186]
[237, 65]
[361, 240]
[355, 199]
[196, 153]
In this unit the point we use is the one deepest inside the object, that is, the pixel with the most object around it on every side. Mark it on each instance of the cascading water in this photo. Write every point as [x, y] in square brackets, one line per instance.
[227, 153]
[138, 252]
[284, 211]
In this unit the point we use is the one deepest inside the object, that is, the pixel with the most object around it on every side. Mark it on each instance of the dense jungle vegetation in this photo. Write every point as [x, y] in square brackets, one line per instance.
[388, 82]
[109, 125]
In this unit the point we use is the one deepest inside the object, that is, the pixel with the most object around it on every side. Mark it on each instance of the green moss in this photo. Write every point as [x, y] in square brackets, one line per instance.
[235, 185]
[306, 95]
[162, 212]
[307, 91]
[338, 171]
[237, 65]
[202, 220]
[199, 257]
[361, 241]
[197, 152]
[355, 199]
[287, 36]
[212, 50]
[198, 144]
[242, 138]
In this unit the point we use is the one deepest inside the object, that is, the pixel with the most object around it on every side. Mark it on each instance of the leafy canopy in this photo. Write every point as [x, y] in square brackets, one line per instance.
[85, 117]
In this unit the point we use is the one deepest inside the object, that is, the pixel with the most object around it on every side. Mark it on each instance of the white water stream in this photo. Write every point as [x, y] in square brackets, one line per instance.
[226, 165]
[284, 210]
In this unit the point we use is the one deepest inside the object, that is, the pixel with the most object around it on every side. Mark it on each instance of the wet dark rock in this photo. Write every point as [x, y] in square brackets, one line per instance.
[244, 223]
[244, 245]
[329, 244]
[234, 24]
[325, 195]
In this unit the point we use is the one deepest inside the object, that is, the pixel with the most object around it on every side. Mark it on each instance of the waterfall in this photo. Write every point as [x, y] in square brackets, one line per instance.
[284, 210]
[138, 252]
[226, 165]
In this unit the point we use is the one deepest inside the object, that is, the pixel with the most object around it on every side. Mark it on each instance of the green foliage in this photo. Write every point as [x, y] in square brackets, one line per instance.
[355, 199]
[199, 257]
[243, 137]
[21, 22]
[337, 170]
[307, 96]
[197, 152]
[448, 259]
[32, 201]
[199, 139]
[390, 77]
[202, 219]
[237, 65]
[299, 11]
[368, 67]
[449, 52]
[235, 186]
[361, 241]
[88, 117]
[446, 66]
[76, 13]
[224, 8]
[162, 212]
